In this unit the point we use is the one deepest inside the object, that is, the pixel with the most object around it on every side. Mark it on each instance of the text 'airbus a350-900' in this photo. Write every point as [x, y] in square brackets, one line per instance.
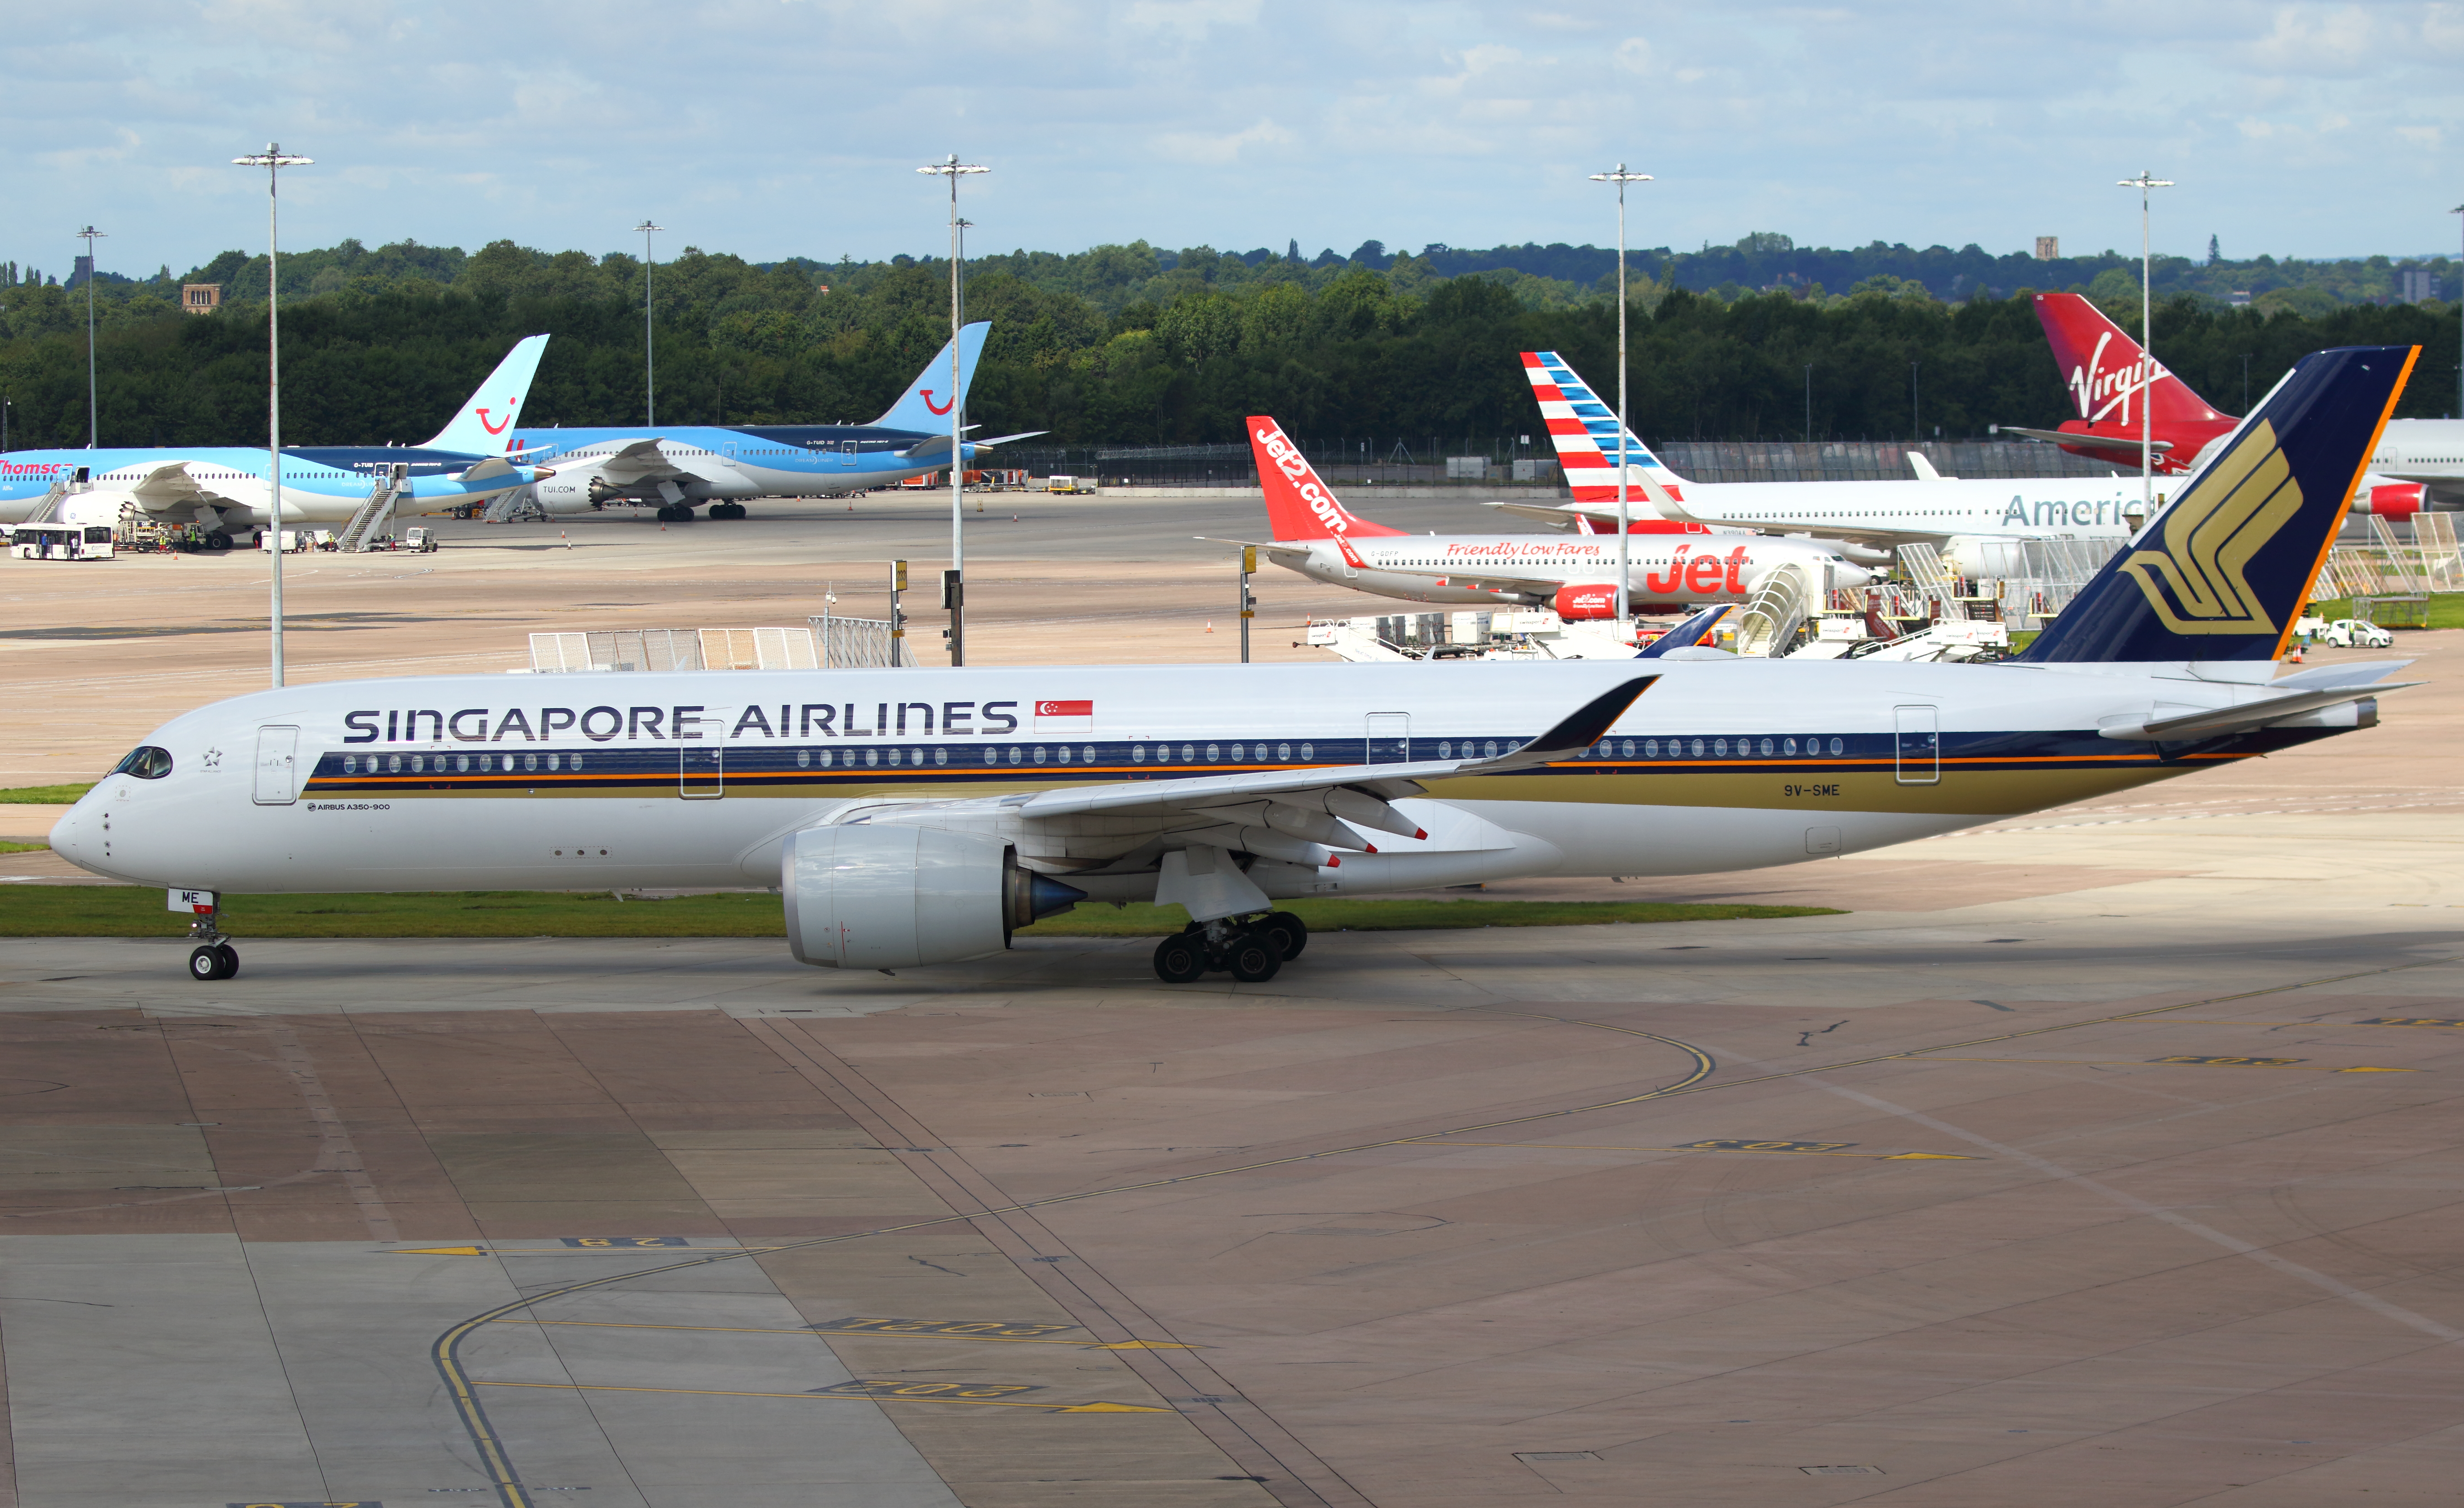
[914, 817]
[677, 468]
[222, 488]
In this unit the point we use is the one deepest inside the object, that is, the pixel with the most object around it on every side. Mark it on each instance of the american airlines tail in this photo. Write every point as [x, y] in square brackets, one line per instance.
[2102, 366]
[2222, 572]
[485, 423]
[1298, 505]
[1585, 432]
[925, 404]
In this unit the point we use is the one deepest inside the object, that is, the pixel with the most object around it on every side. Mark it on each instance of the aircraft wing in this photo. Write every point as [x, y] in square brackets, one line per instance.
[169, 486]
[638, 461]
[1550, 513]
[2095, 442]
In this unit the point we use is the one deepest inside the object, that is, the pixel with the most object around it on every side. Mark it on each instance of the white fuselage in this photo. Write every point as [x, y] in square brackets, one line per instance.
[1662, 570]
[617, 780]
[2427, 451]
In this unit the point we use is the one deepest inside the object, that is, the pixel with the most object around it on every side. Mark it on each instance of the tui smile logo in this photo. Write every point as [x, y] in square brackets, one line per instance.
[497, 428]
[2198, 581]
[926, 394]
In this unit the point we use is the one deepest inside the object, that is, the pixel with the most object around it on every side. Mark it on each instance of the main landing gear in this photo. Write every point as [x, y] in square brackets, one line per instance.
[727, 510]
[669, 513]
[213, 957]
[1251, 949]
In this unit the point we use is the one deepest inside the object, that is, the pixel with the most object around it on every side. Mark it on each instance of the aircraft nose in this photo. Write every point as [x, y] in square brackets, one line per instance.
[1848, 576]
[78, 836]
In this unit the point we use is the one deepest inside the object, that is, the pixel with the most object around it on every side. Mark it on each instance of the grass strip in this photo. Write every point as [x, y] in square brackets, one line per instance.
[23, 848]
[95, 911]
[44, 795]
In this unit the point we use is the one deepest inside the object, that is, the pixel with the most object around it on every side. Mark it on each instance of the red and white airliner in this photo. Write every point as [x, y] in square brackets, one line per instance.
[1671, 565]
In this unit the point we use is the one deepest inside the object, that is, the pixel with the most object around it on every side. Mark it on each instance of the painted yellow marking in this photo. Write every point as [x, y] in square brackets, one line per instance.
[1762, 1149]
[2294, 1064]
[906, 1335]
[533, 1251]
[438, 1251]
[2406, 1021]
[726, 1392]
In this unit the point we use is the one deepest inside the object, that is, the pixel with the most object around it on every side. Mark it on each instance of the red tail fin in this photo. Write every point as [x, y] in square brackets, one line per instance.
[1298, 505]
[2099, 363]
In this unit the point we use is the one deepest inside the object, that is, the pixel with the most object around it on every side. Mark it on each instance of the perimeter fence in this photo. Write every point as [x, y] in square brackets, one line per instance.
[1435, 461]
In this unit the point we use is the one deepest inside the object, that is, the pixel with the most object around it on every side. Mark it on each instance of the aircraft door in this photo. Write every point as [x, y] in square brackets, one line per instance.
[278, 766]
[1919, 745]
[701, 773]
[1390, 739]
[846, 454]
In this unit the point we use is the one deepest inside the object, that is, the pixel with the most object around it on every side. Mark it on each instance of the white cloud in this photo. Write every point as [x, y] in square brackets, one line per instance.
[1633, 55]
[1193, 147]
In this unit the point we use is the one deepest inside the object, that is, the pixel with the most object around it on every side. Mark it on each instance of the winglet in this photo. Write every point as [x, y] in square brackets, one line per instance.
[1581, 728]
[1688, 634]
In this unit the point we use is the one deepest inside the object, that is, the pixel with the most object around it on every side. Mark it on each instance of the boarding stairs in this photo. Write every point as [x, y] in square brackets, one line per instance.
[2442, 563]
[1931, 580]
[47, 508]
[1767, 628]
[363, 531]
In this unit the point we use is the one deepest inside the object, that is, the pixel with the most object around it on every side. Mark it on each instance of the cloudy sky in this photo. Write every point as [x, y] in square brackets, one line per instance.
[780, 127]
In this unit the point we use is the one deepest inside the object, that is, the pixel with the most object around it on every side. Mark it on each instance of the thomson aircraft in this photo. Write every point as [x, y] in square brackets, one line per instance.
[1976, 525]
[2419, 463]
[916, 816]
[226, 487]
[677, 468]
[1669, 566]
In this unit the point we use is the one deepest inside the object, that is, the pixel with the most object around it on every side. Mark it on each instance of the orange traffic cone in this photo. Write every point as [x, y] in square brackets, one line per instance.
[1210, 625]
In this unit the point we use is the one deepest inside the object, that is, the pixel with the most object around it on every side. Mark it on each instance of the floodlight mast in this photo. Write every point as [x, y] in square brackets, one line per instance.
[2145, 183]
[650, 367]
[951, 169]
[273, 159]
[93, 410]
[1624, 601]
[2459, 304]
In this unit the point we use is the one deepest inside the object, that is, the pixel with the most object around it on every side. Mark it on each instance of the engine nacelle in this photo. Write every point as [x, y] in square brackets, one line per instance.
[2390, 500]
[895, 897]
[1599, 601]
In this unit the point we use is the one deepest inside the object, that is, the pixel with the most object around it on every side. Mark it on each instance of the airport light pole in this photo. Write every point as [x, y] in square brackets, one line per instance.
[954, 170]
[2460, 302]
[93, 409]
[273, 159]
[649, 368]
[1624, 603]
[2146, 183]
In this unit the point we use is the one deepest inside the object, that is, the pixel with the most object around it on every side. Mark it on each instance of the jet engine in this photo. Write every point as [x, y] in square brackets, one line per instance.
[1981, 555]
[2390, 500]
[865, 896]
[1594, 601]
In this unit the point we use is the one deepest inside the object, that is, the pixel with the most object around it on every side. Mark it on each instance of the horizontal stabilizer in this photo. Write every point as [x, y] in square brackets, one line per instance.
[2248, 715]
[2119, 445]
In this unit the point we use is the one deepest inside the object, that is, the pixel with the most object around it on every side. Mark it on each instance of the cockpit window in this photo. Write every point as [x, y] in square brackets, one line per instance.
[146, 763]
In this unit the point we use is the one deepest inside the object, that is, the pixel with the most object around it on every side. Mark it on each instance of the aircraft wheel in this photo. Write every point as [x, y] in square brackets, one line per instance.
[229, 957]
[218, 541]
[205, 964]
[1180, 960]
[1252, 957]
[1288, 933]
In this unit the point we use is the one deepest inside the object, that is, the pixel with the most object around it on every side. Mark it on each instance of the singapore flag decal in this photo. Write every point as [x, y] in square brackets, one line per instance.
[1065, 716]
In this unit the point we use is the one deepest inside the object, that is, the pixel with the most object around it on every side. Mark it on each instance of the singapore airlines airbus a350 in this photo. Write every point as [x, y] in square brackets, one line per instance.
[915, 817]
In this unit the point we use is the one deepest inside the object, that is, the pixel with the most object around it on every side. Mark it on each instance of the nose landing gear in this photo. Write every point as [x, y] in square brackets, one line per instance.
[1251, 949]
[213, 958]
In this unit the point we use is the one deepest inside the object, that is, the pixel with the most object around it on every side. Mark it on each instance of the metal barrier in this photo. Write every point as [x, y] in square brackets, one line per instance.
[857, 643]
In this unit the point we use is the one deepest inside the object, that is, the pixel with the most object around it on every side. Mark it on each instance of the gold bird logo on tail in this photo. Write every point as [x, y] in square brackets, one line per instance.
[2196, 581]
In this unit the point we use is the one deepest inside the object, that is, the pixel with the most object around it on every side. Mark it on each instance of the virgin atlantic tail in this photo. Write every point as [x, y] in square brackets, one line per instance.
[2221, 573]
[2104, 370]
[1298, 505]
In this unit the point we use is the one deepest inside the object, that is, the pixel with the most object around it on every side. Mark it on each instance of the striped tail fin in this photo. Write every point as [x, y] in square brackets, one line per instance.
[1584, 429]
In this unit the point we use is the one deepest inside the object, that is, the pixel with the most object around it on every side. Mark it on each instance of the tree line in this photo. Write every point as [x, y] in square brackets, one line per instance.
[1122, 345]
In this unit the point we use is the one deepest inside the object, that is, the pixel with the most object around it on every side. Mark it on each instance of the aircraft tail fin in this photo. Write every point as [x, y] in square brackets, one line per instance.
[1585, 432]
[2100, 365]
[925, 404]
[484, 425]
[2223, 571]
[1299, 506]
